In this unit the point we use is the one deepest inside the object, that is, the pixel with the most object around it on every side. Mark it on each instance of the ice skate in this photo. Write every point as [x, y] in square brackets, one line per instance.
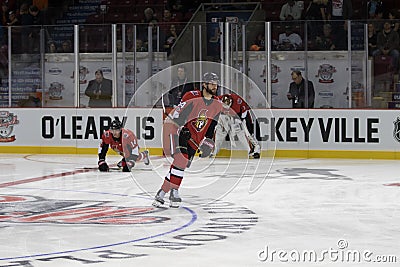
[255, 152]
[158, 200]
[146, 158]
[174, 199]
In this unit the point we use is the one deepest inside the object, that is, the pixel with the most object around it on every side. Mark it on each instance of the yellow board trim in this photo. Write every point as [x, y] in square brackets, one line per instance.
[224, 153]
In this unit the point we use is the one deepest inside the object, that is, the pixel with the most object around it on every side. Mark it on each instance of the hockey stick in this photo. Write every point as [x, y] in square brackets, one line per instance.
[113, 169]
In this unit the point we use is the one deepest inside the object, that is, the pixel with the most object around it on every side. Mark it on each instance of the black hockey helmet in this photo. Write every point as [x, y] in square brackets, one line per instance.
[116, 125]
[210, 77]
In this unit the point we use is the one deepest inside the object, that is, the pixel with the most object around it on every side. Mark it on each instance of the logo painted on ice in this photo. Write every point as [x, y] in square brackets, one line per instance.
[7, 122]
[33, 209]
[396, 130]
[325, 73]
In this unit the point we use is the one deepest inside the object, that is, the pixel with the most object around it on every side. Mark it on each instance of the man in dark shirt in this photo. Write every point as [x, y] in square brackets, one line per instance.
[99, 91]
[299, 89]
[180, 85]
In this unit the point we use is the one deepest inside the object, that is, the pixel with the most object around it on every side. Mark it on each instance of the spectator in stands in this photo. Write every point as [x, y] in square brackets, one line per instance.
[158, 37]
[170, 39]
[4, 14]
[26, 20]
[341, 36]
[316, 10]
[394, 19]
[340, 9]
[325, 41]
[316, 16]
[119, 45]
[148, 15]
[37, 16]
[129, 38]
[66, 47]
[52, 48]
[179, 86]
[290, 11]
[388, 43]
[372, 40]
[99, 91]
[259, 43]
[373, 7]
[178, 5]
[167, 17]
[378, 19]
[289, 40]
[13, 19]
[140, 46]
[299, 89]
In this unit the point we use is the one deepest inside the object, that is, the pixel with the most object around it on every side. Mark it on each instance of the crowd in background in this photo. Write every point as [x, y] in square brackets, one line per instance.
[327, 31]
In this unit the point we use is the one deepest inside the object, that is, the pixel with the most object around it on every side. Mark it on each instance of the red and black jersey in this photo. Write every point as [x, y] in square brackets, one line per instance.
[198, 114]
[126, 145]
[241, 109]
[239, 106]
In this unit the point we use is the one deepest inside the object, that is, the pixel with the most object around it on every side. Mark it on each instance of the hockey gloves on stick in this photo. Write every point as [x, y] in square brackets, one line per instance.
[206, 147]
[103, 167]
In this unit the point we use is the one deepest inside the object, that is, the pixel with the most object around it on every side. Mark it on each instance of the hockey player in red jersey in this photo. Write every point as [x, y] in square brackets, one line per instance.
[194, 120]
[236, 121]
[124, 142]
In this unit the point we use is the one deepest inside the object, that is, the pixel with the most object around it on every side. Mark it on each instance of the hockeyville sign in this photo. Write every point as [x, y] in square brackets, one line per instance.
[290, 132]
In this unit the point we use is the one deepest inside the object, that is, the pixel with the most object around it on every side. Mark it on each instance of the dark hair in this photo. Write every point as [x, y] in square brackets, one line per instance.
[99, 71]
[181, 67]
[298, 73]
[33, 8]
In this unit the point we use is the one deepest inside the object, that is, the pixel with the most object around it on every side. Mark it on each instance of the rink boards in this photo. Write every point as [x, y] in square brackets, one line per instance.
[336, 133]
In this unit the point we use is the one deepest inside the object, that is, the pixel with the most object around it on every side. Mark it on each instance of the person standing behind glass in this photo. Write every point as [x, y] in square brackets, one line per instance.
[297, 91]
[180, 86]
[99, 91]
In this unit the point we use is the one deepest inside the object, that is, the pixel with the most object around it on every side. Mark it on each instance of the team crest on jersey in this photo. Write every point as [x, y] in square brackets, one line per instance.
[201, 120]
[7, 122]
[325, 73]
[396, 130]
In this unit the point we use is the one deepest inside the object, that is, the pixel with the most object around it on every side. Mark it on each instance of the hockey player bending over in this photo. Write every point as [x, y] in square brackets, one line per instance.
[236, 122]
[124, 142]
[194, 119]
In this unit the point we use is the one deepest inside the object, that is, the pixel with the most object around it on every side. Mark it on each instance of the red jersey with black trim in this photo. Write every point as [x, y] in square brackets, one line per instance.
[198, 114]
[125, 145]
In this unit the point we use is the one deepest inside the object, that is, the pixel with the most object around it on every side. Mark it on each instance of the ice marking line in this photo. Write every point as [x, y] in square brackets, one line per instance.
[41, 178]
[192, 220]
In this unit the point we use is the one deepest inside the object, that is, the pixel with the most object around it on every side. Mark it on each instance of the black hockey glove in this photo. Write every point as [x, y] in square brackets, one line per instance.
[206, 147]
[183, 138]
[103, 167]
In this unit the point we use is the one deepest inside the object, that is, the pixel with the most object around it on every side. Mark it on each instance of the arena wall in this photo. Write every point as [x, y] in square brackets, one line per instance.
[314, 133]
